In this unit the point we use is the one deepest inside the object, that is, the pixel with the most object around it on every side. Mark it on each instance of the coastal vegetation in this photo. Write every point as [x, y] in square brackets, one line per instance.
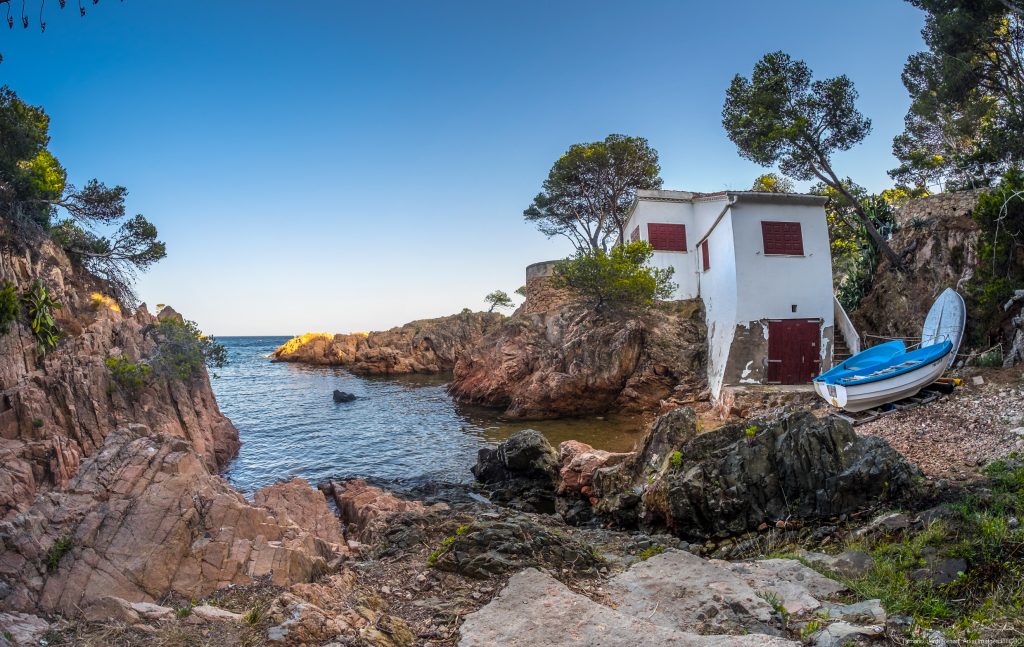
[498, 299]
[781, 116]
[89, 223]
[39, 307]
[9, 306]
[587, 193]
[183, 351]
[620, 278]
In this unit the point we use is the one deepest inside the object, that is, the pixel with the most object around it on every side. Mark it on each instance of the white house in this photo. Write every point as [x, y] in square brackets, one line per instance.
[762, 266]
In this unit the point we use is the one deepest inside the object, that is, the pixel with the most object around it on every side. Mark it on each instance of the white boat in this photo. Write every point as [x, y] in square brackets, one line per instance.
[889, 372]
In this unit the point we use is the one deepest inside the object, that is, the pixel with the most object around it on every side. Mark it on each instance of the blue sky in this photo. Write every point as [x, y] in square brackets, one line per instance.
[348, 166]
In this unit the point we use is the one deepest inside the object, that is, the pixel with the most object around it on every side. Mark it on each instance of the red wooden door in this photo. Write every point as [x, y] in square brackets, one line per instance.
[794, 356]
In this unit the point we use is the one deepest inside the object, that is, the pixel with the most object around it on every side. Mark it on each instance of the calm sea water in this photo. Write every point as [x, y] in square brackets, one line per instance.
[399, 428]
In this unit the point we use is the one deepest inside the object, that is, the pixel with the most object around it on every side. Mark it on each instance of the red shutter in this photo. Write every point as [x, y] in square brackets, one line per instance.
[667, 238]
[705, 256]
[635, 236]
[782, 238]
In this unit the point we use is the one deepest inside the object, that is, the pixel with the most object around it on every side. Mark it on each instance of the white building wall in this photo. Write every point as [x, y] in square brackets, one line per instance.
[677, 213]
[768, 286]
[718, 290]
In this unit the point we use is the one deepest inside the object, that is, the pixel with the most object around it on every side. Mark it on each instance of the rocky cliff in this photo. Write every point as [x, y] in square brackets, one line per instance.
[424, 346]
[570, 361]
[109, 492]
[937, 243]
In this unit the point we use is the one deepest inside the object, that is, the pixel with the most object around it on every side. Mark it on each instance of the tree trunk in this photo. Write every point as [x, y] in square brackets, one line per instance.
[876, 238]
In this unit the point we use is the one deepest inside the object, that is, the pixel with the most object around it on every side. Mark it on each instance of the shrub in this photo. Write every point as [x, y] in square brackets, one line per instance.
[651, 551]
[128, 375]
[57, 552]
[619, 278]
[8, 307]
[39, 306]
[676, 459]
[183, 350]
[100, 301]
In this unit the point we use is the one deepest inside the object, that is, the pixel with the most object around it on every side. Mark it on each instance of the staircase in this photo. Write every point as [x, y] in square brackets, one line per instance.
[840, 348]
[845, 340]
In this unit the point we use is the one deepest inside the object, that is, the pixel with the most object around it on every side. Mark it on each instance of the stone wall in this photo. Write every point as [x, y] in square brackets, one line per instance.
[942, 206]
[541, 295]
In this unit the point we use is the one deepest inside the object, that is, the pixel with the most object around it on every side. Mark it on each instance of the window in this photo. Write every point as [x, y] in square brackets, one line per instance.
[782, 238]
[705, 255]
[667, 238]
[635, 236]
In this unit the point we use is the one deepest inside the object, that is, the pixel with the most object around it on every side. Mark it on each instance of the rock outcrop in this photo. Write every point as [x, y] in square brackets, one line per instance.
[425, 346]
[367, 510]
[144, 517]
[57, 410]
[741, 476]
[671, 599]
[570, 361]
[520, 472]
[937, 243]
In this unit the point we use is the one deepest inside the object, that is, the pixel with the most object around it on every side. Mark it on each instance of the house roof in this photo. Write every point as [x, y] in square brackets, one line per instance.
[665, 195]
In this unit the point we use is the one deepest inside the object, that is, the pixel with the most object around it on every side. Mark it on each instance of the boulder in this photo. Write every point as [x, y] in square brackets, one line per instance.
[144, 518]
[23, 629]
[342, 396]
[520, 472]
[575, 492]
[650, 604]
[367, 510]
[851, 563]
[733, 479]
[485, 548]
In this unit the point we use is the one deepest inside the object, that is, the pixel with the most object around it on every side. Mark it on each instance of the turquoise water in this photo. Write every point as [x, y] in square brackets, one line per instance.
[404, 428]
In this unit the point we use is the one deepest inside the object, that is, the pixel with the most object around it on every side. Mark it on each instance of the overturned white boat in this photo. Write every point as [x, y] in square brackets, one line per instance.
[889, 372]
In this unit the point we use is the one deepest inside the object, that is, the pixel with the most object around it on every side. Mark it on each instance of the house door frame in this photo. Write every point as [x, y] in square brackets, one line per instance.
[794, 350]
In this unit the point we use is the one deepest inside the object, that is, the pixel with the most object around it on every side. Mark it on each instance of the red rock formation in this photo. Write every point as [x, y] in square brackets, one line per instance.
[144, 517]
[578, 462]
[425, 346]
[570, 361]
[367, 509]
[105, 493]
[57, 410]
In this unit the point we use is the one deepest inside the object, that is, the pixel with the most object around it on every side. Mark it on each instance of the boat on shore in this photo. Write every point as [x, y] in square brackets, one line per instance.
[890, 371]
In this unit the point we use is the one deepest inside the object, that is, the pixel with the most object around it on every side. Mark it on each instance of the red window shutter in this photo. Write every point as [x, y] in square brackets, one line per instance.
[635, 236]
[705, 256]
[782, 238]
[667, 238]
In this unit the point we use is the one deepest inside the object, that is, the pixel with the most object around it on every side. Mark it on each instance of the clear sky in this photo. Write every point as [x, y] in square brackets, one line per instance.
[342, 166]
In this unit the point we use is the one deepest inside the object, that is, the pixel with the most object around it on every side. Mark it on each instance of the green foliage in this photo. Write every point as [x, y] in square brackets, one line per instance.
[616, 279]
[34, 191]
[183, 350]
[39, 307]
[676, 459]
[1000, 268]
[991, 359]
[966, 119]
[37, 423]
[521, 290]
[461, 530]
[498, 299]
[772, 183]
[750, 431]
[253, 615]
[589, 190]
[57, 552]
[978, 530]
[651, 551]
[781, 116]
[9, 307]
[130, 376]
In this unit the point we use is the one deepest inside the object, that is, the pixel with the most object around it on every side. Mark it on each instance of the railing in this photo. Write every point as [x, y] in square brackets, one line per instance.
[845, 326]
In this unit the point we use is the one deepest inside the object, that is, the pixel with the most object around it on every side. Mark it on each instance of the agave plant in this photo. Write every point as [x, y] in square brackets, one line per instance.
[39, 306]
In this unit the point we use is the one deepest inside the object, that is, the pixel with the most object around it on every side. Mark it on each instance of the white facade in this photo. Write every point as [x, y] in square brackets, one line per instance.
[745, 290]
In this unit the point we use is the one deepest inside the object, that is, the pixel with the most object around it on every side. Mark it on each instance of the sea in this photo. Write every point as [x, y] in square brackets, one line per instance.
[399, 429]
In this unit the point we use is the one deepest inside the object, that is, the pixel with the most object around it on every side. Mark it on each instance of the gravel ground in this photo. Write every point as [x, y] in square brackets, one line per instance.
[952, 437]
